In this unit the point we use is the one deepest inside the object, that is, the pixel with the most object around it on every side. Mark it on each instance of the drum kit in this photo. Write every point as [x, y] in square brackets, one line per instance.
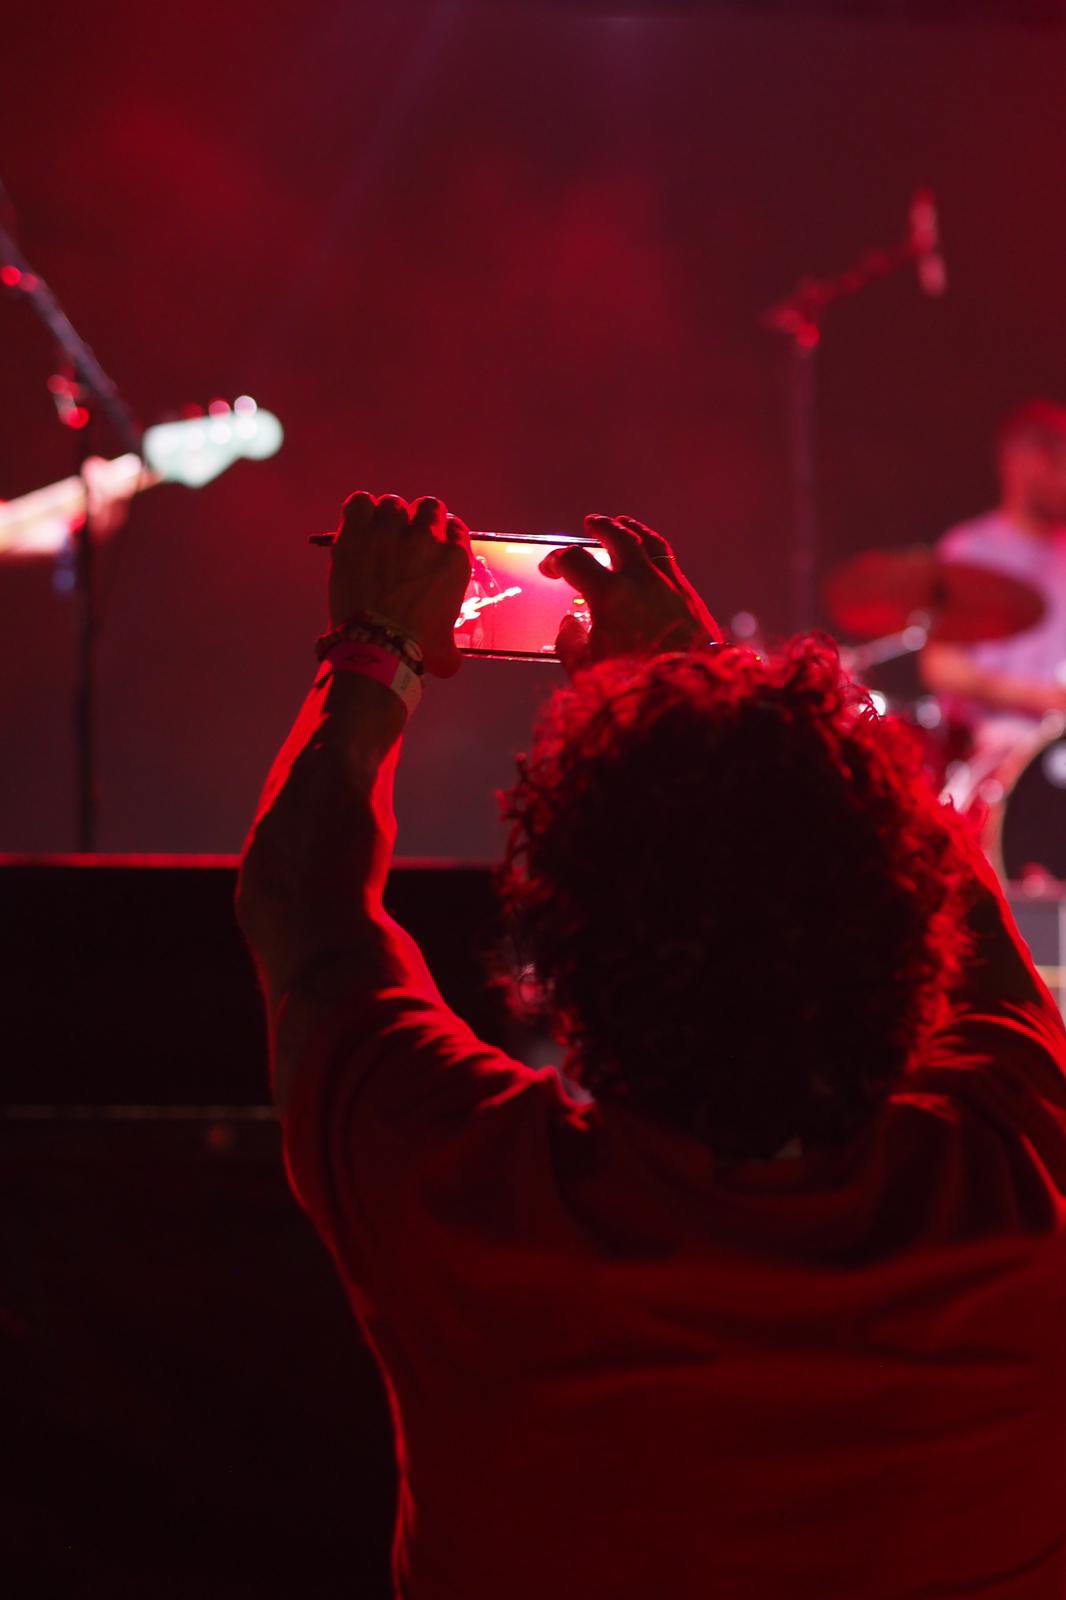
[1014, 793]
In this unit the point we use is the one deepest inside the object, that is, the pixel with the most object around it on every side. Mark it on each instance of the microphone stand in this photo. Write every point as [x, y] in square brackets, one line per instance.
[87, 387]
[799, 317]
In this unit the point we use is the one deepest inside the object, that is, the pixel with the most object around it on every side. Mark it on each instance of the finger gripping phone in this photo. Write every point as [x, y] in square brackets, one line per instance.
[511, 611]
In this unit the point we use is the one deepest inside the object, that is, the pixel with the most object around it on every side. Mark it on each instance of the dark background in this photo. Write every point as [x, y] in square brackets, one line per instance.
[189, 1410]
[514, 255]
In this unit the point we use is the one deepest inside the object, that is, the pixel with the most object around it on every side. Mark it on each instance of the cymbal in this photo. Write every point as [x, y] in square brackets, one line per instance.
[882, 591]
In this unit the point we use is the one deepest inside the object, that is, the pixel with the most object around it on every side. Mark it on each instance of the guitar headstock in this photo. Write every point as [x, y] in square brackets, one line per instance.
[196, 449]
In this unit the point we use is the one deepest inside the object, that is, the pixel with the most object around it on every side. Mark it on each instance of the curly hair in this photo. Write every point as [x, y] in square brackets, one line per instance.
[742, 903]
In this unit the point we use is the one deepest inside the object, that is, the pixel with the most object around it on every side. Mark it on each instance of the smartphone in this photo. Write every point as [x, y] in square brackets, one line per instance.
[511, 611]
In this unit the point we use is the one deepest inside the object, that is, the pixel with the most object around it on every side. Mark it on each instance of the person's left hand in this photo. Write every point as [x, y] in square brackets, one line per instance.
[640, 605]
[408, 563]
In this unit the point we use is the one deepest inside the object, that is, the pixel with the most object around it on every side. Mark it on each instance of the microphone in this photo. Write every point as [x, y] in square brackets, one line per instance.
[925, 243]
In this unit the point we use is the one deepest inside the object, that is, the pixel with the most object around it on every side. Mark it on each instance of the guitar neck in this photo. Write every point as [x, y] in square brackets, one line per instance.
[39, 522]
[192, 451]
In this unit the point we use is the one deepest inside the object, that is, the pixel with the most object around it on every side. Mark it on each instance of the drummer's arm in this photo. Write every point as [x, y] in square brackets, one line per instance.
[946, 669]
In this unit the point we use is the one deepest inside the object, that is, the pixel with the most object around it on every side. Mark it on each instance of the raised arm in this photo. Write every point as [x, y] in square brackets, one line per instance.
[315, 864]
[314, 867]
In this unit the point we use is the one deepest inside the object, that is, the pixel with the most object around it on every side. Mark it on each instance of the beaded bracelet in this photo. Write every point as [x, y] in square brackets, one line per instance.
[369, 628]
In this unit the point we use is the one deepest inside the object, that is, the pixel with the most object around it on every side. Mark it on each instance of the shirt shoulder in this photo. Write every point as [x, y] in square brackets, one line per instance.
[990, 534]
[1007, 1068]
[398, 1109]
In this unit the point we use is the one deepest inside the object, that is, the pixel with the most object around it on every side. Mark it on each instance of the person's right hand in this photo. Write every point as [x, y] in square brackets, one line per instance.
[406, 563]
[641, 605]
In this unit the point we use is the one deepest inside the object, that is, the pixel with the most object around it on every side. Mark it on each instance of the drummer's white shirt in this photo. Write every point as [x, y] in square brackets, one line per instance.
[1038, 653]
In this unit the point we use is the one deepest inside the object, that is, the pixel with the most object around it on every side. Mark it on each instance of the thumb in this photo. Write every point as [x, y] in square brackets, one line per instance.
[572, 645]
[580, 569]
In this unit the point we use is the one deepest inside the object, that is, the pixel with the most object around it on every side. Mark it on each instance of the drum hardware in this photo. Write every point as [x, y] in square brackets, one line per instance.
[1015, 797]
[912, 637]
[898, 601]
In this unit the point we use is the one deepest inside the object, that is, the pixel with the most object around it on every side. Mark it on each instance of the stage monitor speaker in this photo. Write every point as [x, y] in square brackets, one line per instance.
[126, 980]
[190, 1411]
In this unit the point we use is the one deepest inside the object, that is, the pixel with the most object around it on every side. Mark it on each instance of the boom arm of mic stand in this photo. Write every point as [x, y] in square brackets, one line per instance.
[804, 308]
[20, 276]
[799, 316]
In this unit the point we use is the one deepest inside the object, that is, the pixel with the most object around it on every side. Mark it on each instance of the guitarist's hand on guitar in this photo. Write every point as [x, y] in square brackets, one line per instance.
[192, 451]
[109, 487]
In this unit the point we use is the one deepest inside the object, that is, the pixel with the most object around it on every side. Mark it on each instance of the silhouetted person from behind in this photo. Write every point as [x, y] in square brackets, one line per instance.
[764, 1295]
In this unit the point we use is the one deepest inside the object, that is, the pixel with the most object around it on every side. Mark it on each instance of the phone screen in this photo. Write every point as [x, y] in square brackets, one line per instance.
[511, 611]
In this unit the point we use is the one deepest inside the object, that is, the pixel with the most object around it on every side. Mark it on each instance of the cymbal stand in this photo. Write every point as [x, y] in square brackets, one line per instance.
[908, 641]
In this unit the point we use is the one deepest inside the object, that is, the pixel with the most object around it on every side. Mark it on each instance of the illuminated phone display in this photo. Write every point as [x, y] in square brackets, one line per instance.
[511, 611]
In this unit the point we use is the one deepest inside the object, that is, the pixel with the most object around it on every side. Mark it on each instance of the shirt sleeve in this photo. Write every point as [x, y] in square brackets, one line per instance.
[958, 543]
[1008, 1064]
[396, 1095]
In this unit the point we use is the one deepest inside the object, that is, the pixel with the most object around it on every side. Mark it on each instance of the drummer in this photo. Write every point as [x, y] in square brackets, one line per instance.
[1003, 688]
